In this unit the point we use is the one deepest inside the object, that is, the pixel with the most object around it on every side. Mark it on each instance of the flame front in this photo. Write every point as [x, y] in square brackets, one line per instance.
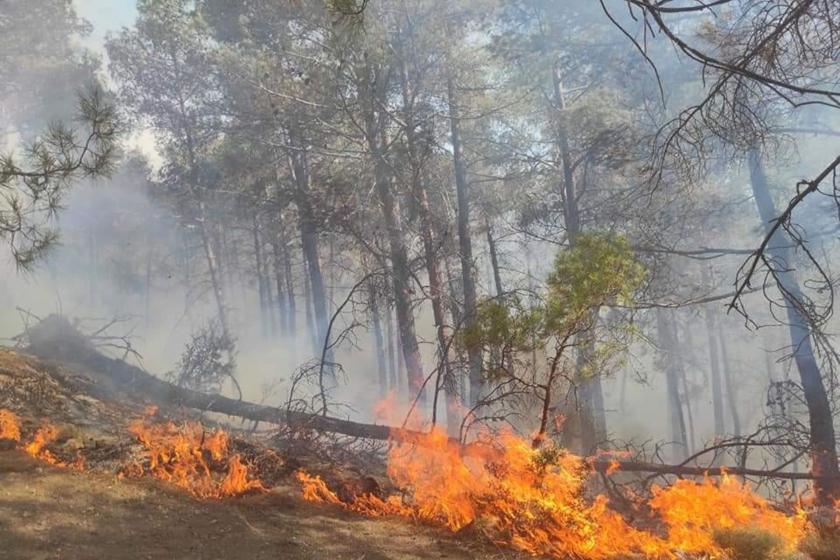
[534, 500]
[9, 425]
[184, 456]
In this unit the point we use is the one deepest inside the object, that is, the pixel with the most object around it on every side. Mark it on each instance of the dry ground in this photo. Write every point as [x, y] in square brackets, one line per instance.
[52, 513]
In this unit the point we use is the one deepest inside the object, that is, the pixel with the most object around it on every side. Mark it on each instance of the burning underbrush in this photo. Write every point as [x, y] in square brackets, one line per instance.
[37, 446]
[536, 500]
[541, 501]
[192, 458]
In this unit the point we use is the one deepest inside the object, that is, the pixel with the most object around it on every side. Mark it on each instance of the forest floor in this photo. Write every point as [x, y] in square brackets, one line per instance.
[53, 513]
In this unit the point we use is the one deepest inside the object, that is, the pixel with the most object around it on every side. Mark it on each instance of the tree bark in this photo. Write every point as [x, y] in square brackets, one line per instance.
[374, 93]
[418, 189]
[265, 308]
[378, 340]
[494, 260]
[822, 438]
[462, 190]
[299, 166]
[593, 419]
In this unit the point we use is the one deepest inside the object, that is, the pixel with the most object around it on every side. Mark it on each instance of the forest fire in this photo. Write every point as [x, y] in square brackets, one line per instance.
[45, 435]
[190, 458]
[9, 425]
[534, 500]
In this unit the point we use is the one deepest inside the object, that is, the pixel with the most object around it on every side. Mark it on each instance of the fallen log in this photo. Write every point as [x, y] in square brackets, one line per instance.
[56, 339]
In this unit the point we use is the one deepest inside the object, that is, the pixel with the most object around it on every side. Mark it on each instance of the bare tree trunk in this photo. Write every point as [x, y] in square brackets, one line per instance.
[494, 260]
[265, 309]
[714, 362]
[593, 417]
[418, 188]
[391, 347]
[822, 438]
[299, 166]
[280, 281]
[731, 392]
[375, 123]
[213, 268]
[465, 244]
[668, 347]
[379, 343]
[311, 328]
[289, 275]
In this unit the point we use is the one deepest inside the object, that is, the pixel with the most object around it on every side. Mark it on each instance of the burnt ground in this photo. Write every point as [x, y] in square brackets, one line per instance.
[54, 513]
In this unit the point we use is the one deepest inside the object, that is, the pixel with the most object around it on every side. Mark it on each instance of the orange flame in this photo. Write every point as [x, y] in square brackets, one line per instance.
[534, 500]
[694, 511]
[45, 435]
[9, 425]
[186, 457]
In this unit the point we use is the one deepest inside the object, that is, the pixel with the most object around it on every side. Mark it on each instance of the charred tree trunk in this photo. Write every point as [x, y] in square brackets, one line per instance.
[465, 244]
[822, 438]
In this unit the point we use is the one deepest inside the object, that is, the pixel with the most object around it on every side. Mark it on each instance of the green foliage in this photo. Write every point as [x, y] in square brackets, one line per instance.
[601, 269]
[32, 186]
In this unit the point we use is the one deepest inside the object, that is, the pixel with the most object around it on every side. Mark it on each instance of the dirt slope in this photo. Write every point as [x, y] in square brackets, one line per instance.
[51, 513]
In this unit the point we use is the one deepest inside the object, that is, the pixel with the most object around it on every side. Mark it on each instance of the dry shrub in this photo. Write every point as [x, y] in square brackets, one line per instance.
[751, 543]
[824, 544]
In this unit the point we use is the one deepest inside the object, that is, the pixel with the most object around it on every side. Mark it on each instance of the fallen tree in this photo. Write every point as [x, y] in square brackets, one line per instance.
[55, 338]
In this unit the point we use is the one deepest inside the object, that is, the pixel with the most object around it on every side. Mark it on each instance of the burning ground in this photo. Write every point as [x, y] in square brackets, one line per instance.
[89, 469]
[92, 491]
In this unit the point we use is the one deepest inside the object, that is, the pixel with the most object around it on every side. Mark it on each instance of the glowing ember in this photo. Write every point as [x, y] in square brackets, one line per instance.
[534, 500]
[187, 456]
[9, 425]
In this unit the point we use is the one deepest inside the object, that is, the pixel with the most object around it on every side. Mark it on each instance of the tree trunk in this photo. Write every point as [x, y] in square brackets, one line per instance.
[418, 189]
[299, 166]
[265, 308]
[668, 347]
[714, 363]
[465, 244]
[378, 340]
[375, 127]
[494, 260]
[280, 281]
[731, 390]
[822, 439]
[212, 260]
[593, 417]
